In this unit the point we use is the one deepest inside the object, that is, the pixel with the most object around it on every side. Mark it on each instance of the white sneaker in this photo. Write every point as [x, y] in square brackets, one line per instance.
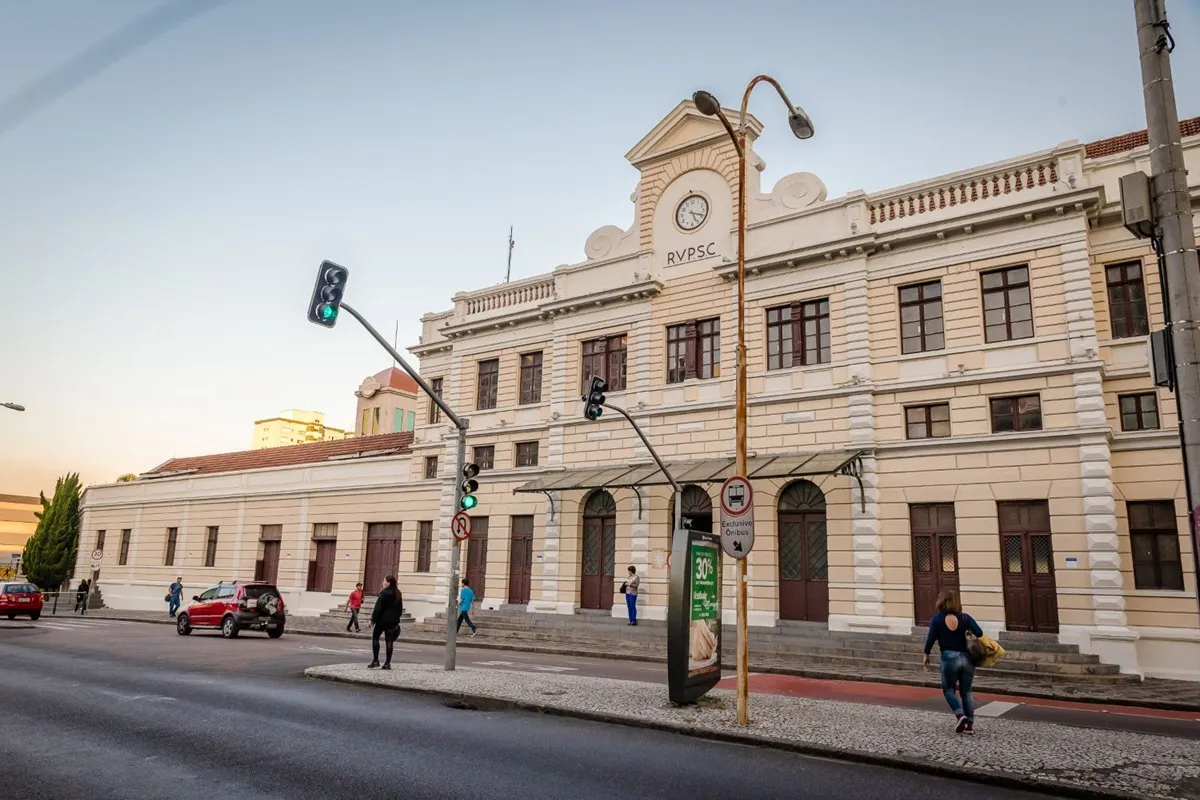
[474, 634]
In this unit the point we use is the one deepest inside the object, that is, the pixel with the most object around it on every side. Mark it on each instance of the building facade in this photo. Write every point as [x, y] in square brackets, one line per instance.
[294, 427]
[948, 388]
[18, 521]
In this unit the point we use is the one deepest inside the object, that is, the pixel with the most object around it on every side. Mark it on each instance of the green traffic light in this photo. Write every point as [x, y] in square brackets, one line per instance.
[469, 502]
[327, 312]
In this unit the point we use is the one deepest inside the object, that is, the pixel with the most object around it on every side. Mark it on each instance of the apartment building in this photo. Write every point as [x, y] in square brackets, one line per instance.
[948, 388]
[294, 427]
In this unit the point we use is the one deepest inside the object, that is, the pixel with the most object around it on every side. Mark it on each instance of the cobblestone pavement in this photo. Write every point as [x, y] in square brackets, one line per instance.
[1179, 695]
[1050, 756]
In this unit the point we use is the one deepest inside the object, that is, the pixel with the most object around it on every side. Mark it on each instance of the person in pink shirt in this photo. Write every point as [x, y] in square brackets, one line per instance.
[355, 603]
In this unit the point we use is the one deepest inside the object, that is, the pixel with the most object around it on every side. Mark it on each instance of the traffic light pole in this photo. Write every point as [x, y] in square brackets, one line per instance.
[462, 425]
[654, 454]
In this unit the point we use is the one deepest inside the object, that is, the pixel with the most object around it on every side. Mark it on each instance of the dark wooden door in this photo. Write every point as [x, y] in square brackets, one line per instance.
[270, 566]
[323, 566]
[520, 561]
[1027, 567]
[599, 562]
[803, 566]
[383, 554]
[477, 548]
[934, 556]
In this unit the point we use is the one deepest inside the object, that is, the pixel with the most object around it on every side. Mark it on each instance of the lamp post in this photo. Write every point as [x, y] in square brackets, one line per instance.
[13, 406]
[802, 127]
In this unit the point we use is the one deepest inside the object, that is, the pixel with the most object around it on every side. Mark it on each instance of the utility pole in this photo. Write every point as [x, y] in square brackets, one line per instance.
[511, 244]
[1175, 238]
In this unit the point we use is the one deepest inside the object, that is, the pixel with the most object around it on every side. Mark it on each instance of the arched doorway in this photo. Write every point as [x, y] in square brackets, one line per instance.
[599, 556]
[803, 553]
[697, 510]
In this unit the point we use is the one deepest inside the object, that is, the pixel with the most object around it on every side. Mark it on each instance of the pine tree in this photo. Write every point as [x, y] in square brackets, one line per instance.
[50, 554]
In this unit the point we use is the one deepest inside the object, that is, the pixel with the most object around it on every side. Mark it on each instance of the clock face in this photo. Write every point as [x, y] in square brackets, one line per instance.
[691, 212]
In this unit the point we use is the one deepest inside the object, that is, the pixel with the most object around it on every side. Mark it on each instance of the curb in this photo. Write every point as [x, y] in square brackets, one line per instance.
[808, 672]
[486, 703]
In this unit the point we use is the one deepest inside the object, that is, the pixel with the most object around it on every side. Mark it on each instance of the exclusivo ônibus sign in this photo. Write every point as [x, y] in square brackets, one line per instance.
[694, 616]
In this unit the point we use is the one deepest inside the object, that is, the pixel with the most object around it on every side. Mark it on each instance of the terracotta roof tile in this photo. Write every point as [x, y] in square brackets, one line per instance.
[1129, 141]
[397, 379]
[288, 456]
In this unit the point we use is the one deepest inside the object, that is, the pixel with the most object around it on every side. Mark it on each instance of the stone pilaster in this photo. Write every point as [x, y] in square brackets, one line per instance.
[1077, 290]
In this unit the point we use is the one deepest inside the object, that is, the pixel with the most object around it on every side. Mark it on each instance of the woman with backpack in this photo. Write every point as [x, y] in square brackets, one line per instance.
[949, 628]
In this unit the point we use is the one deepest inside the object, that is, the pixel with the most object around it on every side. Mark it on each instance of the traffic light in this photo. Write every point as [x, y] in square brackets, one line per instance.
[327, 294]
[595, 398]
[469, 487]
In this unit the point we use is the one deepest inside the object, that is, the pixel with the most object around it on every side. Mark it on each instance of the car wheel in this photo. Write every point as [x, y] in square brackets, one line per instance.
[11, 616]
[229, 627]
[183, 625]
[268, 604]
[275, 633]
[34, 617]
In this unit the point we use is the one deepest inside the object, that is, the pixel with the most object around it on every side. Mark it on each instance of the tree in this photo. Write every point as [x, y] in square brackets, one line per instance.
[50, 554]
[127, 477]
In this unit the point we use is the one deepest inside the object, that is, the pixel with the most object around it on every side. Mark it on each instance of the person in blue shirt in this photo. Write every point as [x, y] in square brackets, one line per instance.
[949, 629]
[465, 598]
[174, 597]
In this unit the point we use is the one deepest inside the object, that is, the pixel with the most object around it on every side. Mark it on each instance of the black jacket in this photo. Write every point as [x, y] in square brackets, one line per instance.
[389, 607]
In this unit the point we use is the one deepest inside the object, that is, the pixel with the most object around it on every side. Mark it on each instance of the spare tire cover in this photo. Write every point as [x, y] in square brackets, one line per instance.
[269, 603]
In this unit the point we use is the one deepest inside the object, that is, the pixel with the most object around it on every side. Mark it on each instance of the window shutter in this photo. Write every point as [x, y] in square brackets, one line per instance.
[797, 334]
[691, 346]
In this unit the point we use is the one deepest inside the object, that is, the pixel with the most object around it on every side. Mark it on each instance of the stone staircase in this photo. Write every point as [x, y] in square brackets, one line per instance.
[790, 647]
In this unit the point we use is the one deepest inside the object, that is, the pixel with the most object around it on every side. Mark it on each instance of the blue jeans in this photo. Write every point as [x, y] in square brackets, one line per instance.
[631, 604]
[958, 671]
[172, 606]
[465, 616]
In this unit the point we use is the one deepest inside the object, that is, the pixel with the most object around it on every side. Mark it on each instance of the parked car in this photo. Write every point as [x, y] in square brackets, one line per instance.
[234, 607]
[20, 599]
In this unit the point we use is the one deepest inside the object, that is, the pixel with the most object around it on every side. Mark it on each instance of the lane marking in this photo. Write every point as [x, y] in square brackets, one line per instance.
[996, 708]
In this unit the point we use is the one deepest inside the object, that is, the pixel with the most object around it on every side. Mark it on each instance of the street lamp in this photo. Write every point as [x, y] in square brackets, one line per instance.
[802, 127]
[13, 406]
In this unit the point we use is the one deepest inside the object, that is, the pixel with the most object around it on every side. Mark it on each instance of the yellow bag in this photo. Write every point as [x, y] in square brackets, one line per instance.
[993, 652]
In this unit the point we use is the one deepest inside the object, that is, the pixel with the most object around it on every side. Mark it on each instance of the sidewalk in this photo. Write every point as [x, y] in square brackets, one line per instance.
[1152, 693]
[1076, 761]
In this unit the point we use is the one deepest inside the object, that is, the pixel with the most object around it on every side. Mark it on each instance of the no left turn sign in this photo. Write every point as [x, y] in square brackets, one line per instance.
[460, 526]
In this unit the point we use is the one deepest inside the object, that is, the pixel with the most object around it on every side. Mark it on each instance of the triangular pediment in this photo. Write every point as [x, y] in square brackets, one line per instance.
[685, 128]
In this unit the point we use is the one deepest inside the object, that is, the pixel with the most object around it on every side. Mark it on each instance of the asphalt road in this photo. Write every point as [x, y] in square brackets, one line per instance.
[84, 716]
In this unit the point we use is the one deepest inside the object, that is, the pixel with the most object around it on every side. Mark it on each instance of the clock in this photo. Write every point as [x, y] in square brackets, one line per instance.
[692, 212]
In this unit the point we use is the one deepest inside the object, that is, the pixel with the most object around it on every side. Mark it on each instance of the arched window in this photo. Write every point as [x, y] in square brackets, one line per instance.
[599, 552]
[600, 504]
[696, 508]
[802, 496]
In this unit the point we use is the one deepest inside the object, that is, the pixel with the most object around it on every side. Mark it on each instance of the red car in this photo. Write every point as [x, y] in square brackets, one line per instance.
[20, 599]
[235, 607]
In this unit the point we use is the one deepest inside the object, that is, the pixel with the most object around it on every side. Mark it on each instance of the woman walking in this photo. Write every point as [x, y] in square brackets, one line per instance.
[385, 619]
[949, 629]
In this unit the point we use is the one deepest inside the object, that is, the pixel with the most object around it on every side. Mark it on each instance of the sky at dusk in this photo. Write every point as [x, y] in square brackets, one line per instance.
[162, 216]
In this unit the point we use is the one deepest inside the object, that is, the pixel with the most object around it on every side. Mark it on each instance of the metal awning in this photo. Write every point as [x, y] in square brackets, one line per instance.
[717, 470]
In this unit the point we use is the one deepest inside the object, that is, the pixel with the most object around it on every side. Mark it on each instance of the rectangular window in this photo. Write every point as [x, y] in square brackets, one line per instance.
[424, 545]
[694, 350]
[1154, 539]
[531, 378]
[431, 467]
[435, 413]
[410, 420]
[488, 384]
[527, 454]
[375, 420]
[605, 358]
[798, 334]
[1127, 299]
[921, 318]
[1007, 304]
[172, 540]
[485, 456]
[927, 422]
[123, 555]
[99, 540]
[398, 420]
[210, 549]
[1023, 413]
[1139, 412]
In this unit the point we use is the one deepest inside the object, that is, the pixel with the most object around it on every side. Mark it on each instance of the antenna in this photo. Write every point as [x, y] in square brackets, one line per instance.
[511, 244]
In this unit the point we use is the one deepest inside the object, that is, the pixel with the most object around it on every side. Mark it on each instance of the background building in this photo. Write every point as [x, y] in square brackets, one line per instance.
[17, 524]
[294, 427]
[387, 403]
